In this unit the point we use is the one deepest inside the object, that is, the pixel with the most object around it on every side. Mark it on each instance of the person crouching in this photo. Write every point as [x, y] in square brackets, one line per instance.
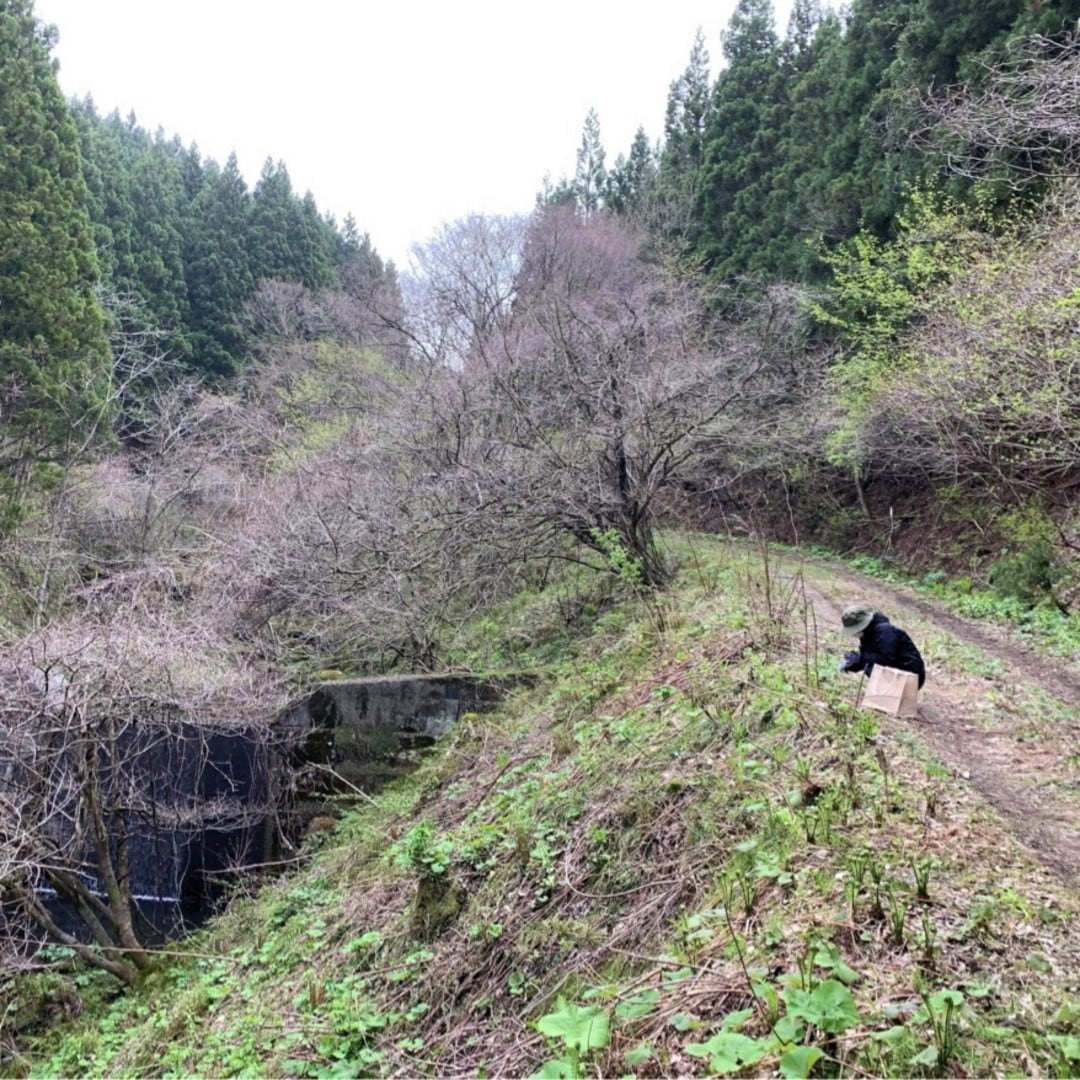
[879, 643]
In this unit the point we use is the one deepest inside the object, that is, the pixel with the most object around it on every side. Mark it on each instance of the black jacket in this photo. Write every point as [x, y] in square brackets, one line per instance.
[888, 645]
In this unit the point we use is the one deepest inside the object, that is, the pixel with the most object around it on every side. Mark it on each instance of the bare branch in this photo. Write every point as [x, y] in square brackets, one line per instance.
[1021, 123]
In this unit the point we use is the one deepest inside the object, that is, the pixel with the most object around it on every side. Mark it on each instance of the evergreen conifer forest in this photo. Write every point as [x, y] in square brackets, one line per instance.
[632, 452]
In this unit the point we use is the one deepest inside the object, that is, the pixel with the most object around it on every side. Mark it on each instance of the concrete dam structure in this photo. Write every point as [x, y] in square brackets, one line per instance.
[198, 808]
[359, 733]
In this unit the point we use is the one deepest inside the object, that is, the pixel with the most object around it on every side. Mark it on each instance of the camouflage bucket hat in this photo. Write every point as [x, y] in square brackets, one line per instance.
[855, 620]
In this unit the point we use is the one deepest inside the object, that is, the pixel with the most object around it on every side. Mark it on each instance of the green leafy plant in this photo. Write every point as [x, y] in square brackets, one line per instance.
[797, 1062]
[728, 1050]
[641, 1004]
[829, 1007]
[827, 956]
[619, 560]
[1027, 573]
[1067, 1049]
[578, 1031]
[425, 853]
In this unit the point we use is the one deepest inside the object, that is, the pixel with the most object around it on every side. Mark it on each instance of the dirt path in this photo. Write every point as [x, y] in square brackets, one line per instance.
[993, 711]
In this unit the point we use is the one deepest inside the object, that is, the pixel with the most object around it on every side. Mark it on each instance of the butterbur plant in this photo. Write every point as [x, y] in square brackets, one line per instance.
[728, 1050]
[578, 1031]
[733, 1052]
[827, 955]
[829, 1007]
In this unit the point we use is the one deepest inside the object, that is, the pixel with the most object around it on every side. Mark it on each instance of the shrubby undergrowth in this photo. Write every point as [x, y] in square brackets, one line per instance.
[683, 851]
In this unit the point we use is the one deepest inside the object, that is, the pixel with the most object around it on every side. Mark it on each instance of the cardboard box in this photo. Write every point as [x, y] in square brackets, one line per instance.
[893, 692]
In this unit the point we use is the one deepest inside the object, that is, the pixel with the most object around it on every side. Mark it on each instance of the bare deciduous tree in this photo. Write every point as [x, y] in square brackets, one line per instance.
[597, 392]
[111, 764]
[116, 713]
[460, 296]
[1021, 122]
[570, 385]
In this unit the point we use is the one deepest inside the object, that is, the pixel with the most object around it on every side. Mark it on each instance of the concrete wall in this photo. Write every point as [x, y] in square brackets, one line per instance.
[364, 729]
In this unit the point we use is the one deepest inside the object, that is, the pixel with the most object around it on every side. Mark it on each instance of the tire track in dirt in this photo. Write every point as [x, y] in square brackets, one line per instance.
[975, 725]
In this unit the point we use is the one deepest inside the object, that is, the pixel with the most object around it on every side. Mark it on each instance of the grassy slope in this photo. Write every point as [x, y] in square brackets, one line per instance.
[683, 851]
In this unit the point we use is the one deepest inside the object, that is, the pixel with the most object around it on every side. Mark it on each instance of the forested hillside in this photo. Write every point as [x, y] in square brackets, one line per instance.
[835, 304]
[186, 245]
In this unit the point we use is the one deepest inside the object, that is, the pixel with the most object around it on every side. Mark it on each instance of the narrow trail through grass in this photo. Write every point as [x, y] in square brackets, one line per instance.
[993, 711]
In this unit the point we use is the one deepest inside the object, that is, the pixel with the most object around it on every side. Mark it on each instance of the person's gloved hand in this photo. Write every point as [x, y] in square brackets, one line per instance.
[852, 662]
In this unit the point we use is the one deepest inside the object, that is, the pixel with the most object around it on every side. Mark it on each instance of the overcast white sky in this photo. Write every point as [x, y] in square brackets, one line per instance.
[407, 113]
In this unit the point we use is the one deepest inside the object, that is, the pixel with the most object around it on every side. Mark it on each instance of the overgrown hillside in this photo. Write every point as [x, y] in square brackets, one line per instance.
[683, 851]
[238, 457]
